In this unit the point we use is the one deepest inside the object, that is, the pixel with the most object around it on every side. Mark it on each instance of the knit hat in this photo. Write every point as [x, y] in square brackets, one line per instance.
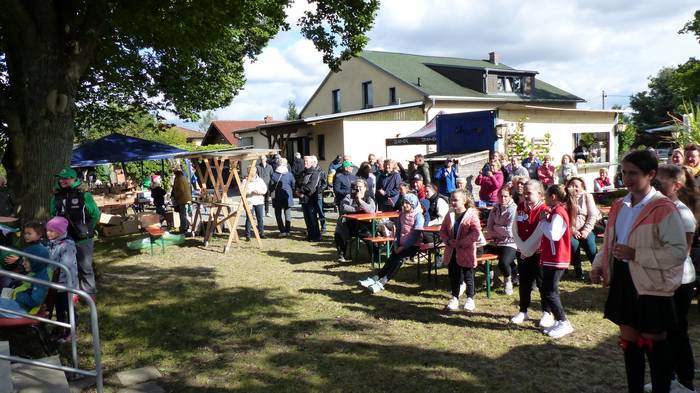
[58, 225]
[347, 164]
[412, 199]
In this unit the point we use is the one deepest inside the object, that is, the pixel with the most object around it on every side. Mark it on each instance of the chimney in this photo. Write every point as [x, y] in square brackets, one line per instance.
[494, 58]
[268, 119]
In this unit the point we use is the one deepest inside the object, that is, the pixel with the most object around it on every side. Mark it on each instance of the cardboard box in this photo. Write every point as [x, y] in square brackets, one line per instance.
[173, 219]
[130, 226]
[110, 219]
[125, 228]
[149, 219]
[117, 210]
[111, 230]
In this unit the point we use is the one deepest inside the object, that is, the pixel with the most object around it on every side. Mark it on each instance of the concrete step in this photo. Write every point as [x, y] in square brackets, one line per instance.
[33, 379]
[5, 369]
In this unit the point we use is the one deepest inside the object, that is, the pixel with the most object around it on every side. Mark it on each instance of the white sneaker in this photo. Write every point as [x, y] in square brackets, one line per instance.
[376, 287]
[509, 288]
[676, 387]
[562, 329]
[268, 214]
[469, 305]
[453, 305]
[547, 320]
[462, 289]
[648, 388]
[549, 329]
[367, 282]
[519, 318]
[341, 259]
[438, 261]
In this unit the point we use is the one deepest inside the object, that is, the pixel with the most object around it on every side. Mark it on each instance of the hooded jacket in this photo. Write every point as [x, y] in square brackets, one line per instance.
[30, 296]
[63, 250]
[659, 243]
[91, 213]
[468, 234]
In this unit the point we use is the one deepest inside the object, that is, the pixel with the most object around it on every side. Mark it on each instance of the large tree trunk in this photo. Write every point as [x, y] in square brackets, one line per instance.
[41, 132]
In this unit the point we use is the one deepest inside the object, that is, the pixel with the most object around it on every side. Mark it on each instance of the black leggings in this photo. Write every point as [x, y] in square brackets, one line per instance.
[506, 259]
[391, 267]
[684, 362]
[458, 275]
[530, 272]
[550, 291]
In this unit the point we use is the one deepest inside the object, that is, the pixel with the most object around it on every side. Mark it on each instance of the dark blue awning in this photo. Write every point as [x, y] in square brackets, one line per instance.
[115, 148]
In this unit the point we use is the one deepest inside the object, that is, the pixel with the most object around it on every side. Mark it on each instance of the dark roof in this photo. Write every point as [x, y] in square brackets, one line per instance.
[409, 68]
[121, 148]
[228, 128]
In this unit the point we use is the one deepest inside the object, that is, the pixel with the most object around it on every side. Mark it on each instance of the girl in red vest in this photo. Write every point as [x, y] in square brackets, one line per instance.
[555, 257]
[527, 235]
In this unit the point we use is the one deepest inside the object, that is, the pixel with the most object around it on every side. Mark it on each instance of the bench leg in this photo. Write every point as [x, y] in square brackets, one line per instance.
[488, 279]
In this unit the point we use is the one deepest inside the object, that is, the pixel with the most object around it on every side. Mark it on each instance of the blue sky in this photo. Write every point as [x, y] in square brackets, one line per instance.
[582, 46]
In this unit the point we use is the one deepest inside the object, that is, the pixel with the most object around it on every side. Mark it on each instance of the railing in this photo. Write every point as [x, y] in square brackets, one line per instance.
[97, 373]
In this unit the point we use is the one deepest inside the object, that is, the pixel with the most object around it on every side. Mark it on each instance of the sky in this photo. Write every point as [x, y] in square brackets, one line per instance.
[581, 46]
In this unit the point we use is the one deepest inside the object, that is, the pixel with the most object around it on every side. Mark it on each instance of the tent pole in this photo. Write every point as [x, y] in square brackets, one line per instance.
[162, 168]
[141, 172]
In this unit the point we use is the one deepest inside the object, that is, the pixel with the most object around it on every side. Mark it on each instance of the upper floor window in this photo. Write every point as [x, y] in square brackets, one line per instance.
[336, 101]
[392, 95]
[367, 95]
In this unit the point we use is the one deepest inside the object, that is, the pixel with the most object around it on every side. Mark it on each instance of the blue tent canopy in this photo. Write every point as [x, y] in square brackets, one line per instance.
[121, 148]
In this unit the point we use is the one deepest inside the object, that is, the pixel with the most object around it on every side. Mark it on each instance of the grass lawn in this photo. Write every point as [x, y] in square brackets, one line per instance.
[288, 318]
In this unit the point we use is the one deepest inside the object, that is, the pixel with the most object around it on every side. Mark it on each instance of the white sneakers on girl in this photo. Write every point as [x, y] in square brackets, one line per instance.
[376, 287]
[453, 305]
[560, 329]
[547, 320]
[469, 305]
[509, 288]
[367, 282]
[519, 318]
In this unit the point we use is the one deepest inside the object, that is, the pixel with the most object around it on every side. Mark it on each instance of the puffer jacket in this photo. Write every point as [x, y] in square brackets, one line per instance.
[660, 248]
[468, 234]
[500, 224]
[63, 250]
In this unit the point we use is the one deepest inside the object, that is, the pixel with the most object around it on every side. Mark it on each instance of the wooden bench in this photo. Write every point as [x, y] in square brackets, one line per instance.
[487, 259]
[379, 240]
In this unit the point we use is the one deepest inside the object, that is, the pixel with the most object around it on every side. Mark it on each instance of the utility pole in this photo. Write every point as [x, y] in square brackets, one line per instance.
[603, 96]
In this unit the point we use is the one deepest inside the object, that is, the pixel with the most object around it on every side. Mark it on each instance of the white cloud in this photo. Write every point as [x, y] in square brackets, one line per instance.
[582, 46]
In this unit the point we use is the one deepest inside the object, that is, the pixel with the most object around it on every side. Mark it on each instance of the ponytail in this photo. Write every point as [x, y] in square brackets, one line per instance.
[689, 193]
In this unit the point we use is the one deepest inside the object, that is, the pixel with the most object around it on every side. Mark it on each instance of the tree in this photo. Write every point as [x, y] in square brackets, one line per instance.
[516, 142]
[73, 62]
[206, 120]
[693, 26]
[292, 113]
[652, 107]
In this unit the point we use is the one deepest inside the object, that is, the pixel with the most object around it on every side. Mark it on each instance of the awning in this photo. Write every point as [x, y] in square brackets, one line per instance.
[426, 135]
[115, 148]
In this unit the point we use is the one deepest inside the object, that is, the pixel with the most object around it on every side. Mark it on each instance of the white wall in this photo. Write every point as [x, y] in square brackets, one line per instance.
[360, 138]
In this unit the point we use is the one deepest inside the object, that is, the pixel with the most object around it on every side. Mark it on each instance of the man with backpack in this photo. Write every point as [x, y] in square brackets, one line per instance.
[82, 213]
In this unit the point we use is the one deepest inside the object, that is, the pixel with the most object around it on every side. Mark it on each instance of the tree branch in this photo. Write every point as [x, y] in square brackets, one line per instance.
[88, 35]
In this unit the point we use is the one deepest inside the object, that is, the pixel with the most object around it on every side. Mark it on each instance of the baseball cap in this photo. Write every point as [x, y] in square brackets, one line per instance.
[67, 173]
[418, 176]
[347, 164]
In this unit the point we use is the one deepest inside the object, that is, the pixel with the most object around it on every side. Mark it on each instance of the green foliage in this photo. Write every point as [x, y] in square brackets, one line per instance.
[686, 82]
[692, 26]
[688, 125]
[652, 107]
[542, 149]
[626, 139]
[292, 113]
[516, 143]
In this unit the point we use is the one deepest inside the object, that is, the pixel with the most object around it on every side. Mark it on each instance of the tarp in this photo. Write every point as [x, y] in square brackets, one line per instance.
[466, 132]
[116, 148]
[426, 135]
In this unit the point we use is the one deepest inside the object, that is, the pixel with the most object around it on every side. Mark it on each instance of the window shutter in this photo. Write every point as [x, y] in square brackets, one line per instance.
[491, 84]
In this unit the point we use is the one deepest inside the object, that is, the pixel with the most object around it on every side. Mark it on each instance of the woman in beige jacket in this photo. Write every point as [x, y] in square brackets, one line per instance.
[584, 214]
[641, 262]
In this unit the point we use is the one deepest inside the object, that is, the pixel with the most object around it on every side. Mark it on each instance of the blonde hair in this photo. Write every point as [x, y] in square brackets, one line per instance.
[468, 201]
[282, 161]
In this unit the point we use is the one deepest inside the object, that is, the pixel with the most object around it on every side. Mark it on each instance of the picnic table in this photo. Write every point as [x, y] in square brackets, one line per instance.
[373, 217]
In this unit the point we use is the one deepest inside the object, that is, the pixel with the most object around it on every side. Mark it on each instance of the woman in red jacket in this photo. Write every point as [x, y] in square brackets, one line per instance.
[555, 256]
[490, 180]
[546, 171]
[460, 231]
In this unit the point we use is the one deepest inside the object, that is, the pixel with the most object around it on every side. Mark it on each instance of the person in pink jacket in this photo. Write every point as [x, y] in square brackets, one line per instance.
[490, 180]
[546, 172]
[460, 232]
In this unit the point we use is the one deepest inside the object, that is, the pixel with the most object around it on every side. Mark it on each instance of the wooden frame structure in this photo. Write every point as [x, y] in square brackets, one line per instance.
[220, 186]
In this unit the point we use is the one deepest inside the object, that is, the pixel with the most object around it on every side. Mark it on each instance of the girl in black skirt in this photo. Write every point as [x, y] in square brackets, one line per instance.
[642, 262]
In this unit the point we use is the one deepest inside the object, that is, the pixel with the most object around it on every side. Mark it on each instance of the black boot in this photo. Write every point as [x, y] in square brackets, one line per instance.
[660, 365]
[634, 365]
[287, 227]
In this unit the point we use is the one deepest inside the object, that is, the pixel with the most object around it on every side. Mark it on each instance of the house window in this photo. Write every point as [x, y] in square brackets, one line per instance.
[367, 95]
[336, 101]
[392, 95]
[321, 146]
[509, 84]
[246, 141]
[592, 147]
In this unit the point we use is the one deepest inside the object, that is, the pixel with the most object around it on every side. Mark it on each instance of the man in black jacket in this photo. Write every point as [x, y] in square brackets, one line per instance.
[308, 188]
[342, 182]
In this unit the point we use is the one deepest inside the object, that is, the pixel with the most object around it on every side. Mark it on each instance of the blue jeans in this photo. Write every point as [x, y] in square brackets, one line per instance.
[259, 211]
[12, 305]
[589, 247]
[321, 213]
[311, 220]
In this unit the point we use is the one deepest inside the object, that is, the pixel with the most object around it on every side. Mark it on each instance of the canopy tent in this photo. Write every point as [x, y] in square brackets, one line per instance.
[426, 135]
[116, 148]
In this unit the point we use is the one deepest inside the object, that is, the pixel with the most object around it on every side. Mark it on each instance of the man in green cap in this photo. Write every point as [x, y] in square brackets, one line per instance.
[79, 208]
[342, 182]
